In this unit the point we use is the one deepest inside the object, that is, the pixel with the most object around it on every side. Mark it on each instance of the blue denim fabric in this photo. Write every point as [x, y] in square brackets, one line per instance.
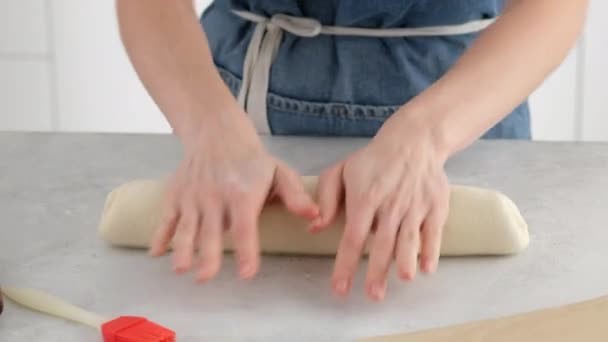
[348, 86]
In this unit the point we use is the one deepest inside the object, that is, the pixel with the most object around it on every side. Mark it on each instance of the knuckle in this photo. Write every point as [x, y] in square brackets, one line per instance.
[443, 206]
[387, 208]
[363, 201]
[241, 229]
[183, 240]
[188, 223]
[188, 227]
[391, 210]
[169, 215]
[188, 191]
[384, 238]
[234, 190]
[207, 231]
[230, 187]
[409, 235]
[185, 236]
[426, 251]
[188, 204]
[373, 193]
[354, 239]
[440, 189]
[211, 195]
[170, 197]
[437, 218]
[431, 232]
[432, 191]
[238, 228]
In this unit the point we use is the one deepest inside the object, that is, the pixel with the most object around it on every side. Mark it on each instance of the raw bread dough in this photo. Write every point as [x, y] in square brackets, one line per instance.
[480, 222]
[585, 321]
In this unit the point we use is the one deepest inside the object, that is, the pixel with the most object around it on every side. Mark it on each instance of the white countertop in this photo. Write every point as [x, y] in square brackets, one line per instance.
[52, 188]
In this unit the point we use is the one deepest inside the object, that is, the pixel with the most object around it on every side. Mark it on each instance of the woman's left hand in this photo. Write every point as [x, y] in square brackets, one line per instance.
[395, 187]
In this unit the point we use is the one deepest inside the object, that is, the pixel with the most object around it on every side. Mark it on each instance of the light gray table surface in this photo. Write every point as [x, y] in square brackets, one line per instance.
[52, 188]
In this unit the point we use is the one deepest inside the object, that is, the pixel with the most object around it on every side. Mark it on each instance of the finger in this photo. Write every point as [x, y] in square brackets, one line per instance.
[408, 243]
[164, 233]
[360, 212]
[210, 242]
[244, 232]
[329, 194]
[432, 231]
[168, 224]
[183, 240]
[383, 246]
[288, 186]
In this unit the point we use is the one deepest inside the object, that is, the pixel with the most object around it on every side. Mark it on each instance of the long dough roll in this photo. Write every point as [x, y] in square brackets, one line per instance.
[480, 222]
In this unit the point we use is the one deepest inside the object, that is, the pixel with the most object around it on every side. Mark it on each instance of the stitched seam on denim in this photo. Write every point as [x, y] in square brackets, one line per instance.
[327, 115]
[335, 109]
[310, 108]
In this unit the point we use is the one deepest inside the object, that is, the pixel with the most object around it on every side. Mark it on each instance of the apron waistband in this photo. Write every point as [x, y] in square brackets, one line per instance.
[267, 37]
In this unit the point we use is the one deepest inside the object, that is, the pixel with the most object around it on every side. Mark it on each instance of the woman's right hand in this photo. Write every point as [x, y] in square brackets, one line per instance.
[226, 175]
[222, 183]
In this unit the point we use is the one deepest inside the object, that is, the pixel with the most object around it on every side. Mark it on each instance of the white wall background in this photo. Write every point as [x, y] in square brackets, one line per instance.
[63, 68]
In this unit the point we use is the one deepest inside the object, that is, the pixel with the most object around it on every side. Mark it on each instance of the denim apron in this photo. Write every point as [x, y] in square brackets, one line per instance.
[341, 68]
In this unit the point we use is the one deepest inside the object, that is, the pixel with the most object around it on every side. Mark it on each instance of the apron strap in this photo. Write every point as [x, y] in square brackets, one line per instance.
[267, 37]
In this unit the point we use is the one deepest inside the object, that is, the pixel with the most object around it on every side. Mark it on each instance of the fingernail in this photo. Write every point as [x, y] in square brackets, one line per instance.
[201, 279]
[305, 203]
[377, 291]
[203, 276]
[429, 266]
[246, 271]
[316, 223]
[406, 275]
[342, 286]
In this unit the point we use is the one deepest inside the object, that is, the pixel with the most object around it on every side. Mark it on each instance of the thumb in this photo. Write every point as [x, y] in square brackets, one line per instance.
[289, 188]
[329, 195]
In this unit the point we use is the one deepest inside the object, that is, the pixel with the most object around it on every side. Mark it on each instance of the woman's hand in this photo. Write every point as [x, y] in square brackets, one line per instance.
[222, 183]
[396, 187]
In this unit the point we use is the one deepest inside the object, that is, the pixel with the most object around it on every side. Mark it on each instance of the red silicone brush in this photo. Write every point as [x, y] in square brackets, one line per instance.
[135, 329]
[121, 329]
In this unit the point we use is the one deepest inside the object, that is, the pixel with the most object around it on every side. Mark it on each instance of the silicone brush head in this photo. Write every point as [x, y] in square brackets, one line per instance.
[135, 329]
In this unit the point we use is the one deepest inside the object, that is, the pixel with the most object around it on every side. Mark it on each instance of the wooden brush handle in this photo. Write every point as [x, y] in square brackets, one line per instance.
[42, 302]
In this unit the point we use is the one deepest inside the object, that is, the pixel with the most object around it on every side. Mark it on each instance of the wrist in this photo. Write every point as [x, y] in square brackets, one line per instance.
[421, 126]
[207, 125]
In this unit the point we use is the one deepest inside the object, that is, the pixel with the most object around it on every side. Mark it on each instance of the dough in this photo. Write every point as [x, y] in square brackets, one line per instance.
[480, 222]
[585, 321]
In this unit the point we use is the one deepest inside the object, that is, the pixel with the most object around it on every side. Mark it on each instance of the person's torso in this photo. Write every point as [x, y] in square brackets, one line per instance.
[343, 85]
